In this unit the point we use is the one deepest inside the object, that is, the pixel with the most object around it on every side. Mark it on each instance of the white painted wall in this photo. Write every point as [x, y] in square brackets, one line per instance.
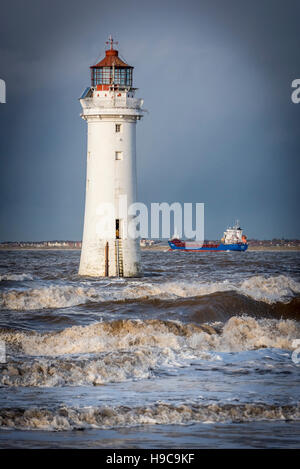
[107, 180]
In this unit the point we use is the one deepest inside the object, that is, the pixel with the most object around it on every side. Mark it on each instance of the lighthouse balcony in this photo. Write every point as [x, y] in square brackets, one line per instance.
[112, 102]
[112, 105]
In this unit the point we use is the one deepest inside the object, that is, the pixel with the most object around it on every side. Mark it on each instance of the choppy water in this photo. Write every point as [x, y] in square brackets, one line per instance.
[197, 353]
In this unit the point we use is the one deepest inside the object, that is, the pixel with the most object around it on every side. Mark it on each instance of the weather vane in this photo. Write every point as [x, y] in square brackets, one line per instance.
[111, 42]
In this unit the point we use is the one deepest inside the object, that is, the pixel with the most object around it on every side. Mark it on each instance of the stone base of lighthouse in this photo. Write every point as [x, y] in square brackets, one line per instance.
[111, 257]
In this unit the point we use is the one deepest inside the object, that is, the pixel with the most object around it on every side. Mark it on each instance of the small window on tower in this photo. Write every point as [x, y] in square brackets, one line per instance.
[119, 155]
[118, 127]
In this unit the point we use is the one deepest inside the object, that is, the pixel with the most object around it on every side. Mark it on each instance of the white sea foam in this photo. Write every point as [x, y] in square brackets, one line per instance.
[267, 289]
[246, 333]
[270, 289]
[107, 368]
[53, 296]
[68, 418]
[16, 277]
[238, 334]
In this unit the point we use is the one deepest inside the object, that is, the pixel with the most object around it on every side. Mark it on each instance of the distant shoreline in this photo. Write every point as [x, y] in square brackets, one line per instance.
[250, 248]
[147, 248]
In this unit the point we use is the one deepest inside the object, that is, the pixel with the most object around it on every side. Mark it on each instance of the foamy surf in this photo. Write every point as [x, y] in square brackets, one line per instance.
[68, 418]
[54, 296]
[260, 288]
[205, 339]
[237, 334]
[90, 370]
[270, 289]
[15, 277]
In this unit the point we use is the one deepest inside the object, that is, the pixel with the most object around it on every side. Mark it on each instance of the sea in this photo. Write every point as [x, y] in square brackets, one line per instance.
[199, 352]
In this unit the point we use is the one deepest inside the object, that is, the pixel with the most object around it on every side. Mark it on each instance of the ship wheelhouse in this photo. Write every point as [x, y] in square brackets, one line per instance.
[233, 235]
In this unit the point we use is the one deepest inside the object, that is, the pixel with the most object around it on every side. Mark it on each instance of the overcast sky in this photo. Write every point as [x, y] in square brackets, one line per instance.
[215, 76]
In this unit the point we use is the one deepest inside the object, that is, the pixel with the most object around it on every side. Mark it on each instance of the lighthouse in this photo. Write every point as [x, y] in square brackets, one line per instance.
[111, 110]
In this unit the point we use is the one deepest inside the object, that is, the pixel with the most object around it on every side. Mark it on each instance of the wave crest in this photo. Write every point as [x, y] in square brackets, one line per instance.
[238, 334]
[267, 289]
[270, 289]
[109, 368]
[46, 297]
[66, 418]
[15, 277]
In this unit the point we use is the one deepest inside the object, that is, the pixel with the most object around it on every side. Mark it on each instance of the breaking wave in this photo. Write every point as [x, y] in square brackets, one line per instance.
[109, 368]
[46, 297]
[66, 418]
[266, 289]
[237, 334]
[105, 336]
[15, 277]
[270, 289]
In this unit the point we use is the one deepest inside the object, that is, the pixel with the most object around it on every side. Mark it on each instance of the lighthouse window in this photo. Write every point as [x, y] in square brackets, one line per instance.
[118, 127]
[123, 76]
[129, 76]
[102, 76]
[107, 75]
[119, 155]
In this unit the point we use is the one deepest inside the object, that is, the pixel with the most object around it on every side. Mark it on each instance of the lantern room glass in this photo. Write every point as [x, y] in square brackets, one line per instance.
[104, 76]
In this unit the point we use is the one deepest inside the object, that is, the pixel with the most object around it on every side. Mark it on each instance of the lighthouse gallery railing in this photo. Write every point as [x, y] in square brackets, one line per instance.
[131, 103]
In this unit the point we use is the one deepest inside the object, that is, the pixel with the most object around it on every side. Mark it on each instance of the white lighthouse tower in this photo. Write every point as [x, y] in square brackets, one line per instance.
[111, 112]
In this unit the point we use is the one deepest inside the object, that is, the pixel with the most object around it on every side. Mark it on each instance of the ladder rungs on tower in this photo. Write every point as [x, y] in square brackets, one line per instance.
[119, 258]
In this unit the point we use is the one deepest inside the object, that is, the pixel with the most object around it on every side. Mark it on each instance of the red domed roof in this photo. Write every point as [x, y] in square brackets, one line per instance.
[111, 59]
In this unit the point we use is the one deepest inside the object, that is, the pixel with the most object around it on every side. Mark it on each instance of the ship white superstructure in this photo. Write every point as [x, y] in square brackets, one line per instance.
[233, 234]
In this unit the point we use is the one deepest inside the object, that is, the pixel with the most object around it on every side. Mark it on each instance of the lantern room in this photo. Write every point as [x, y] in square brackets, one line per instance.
[111, 72]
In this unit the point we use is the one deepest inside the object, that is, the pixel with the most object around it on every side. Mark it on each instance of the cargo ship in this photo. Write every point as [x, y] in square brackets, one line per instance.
[233, 240]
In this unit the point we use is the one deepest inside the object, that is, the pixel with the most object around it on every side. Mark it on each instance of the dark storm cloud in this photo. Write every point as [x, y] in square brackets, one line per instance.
[215, 76]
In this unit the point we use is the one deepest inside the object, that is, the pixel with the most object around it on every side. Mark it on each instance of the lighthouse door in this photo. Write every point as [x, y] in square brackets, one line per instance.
[118, 228]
